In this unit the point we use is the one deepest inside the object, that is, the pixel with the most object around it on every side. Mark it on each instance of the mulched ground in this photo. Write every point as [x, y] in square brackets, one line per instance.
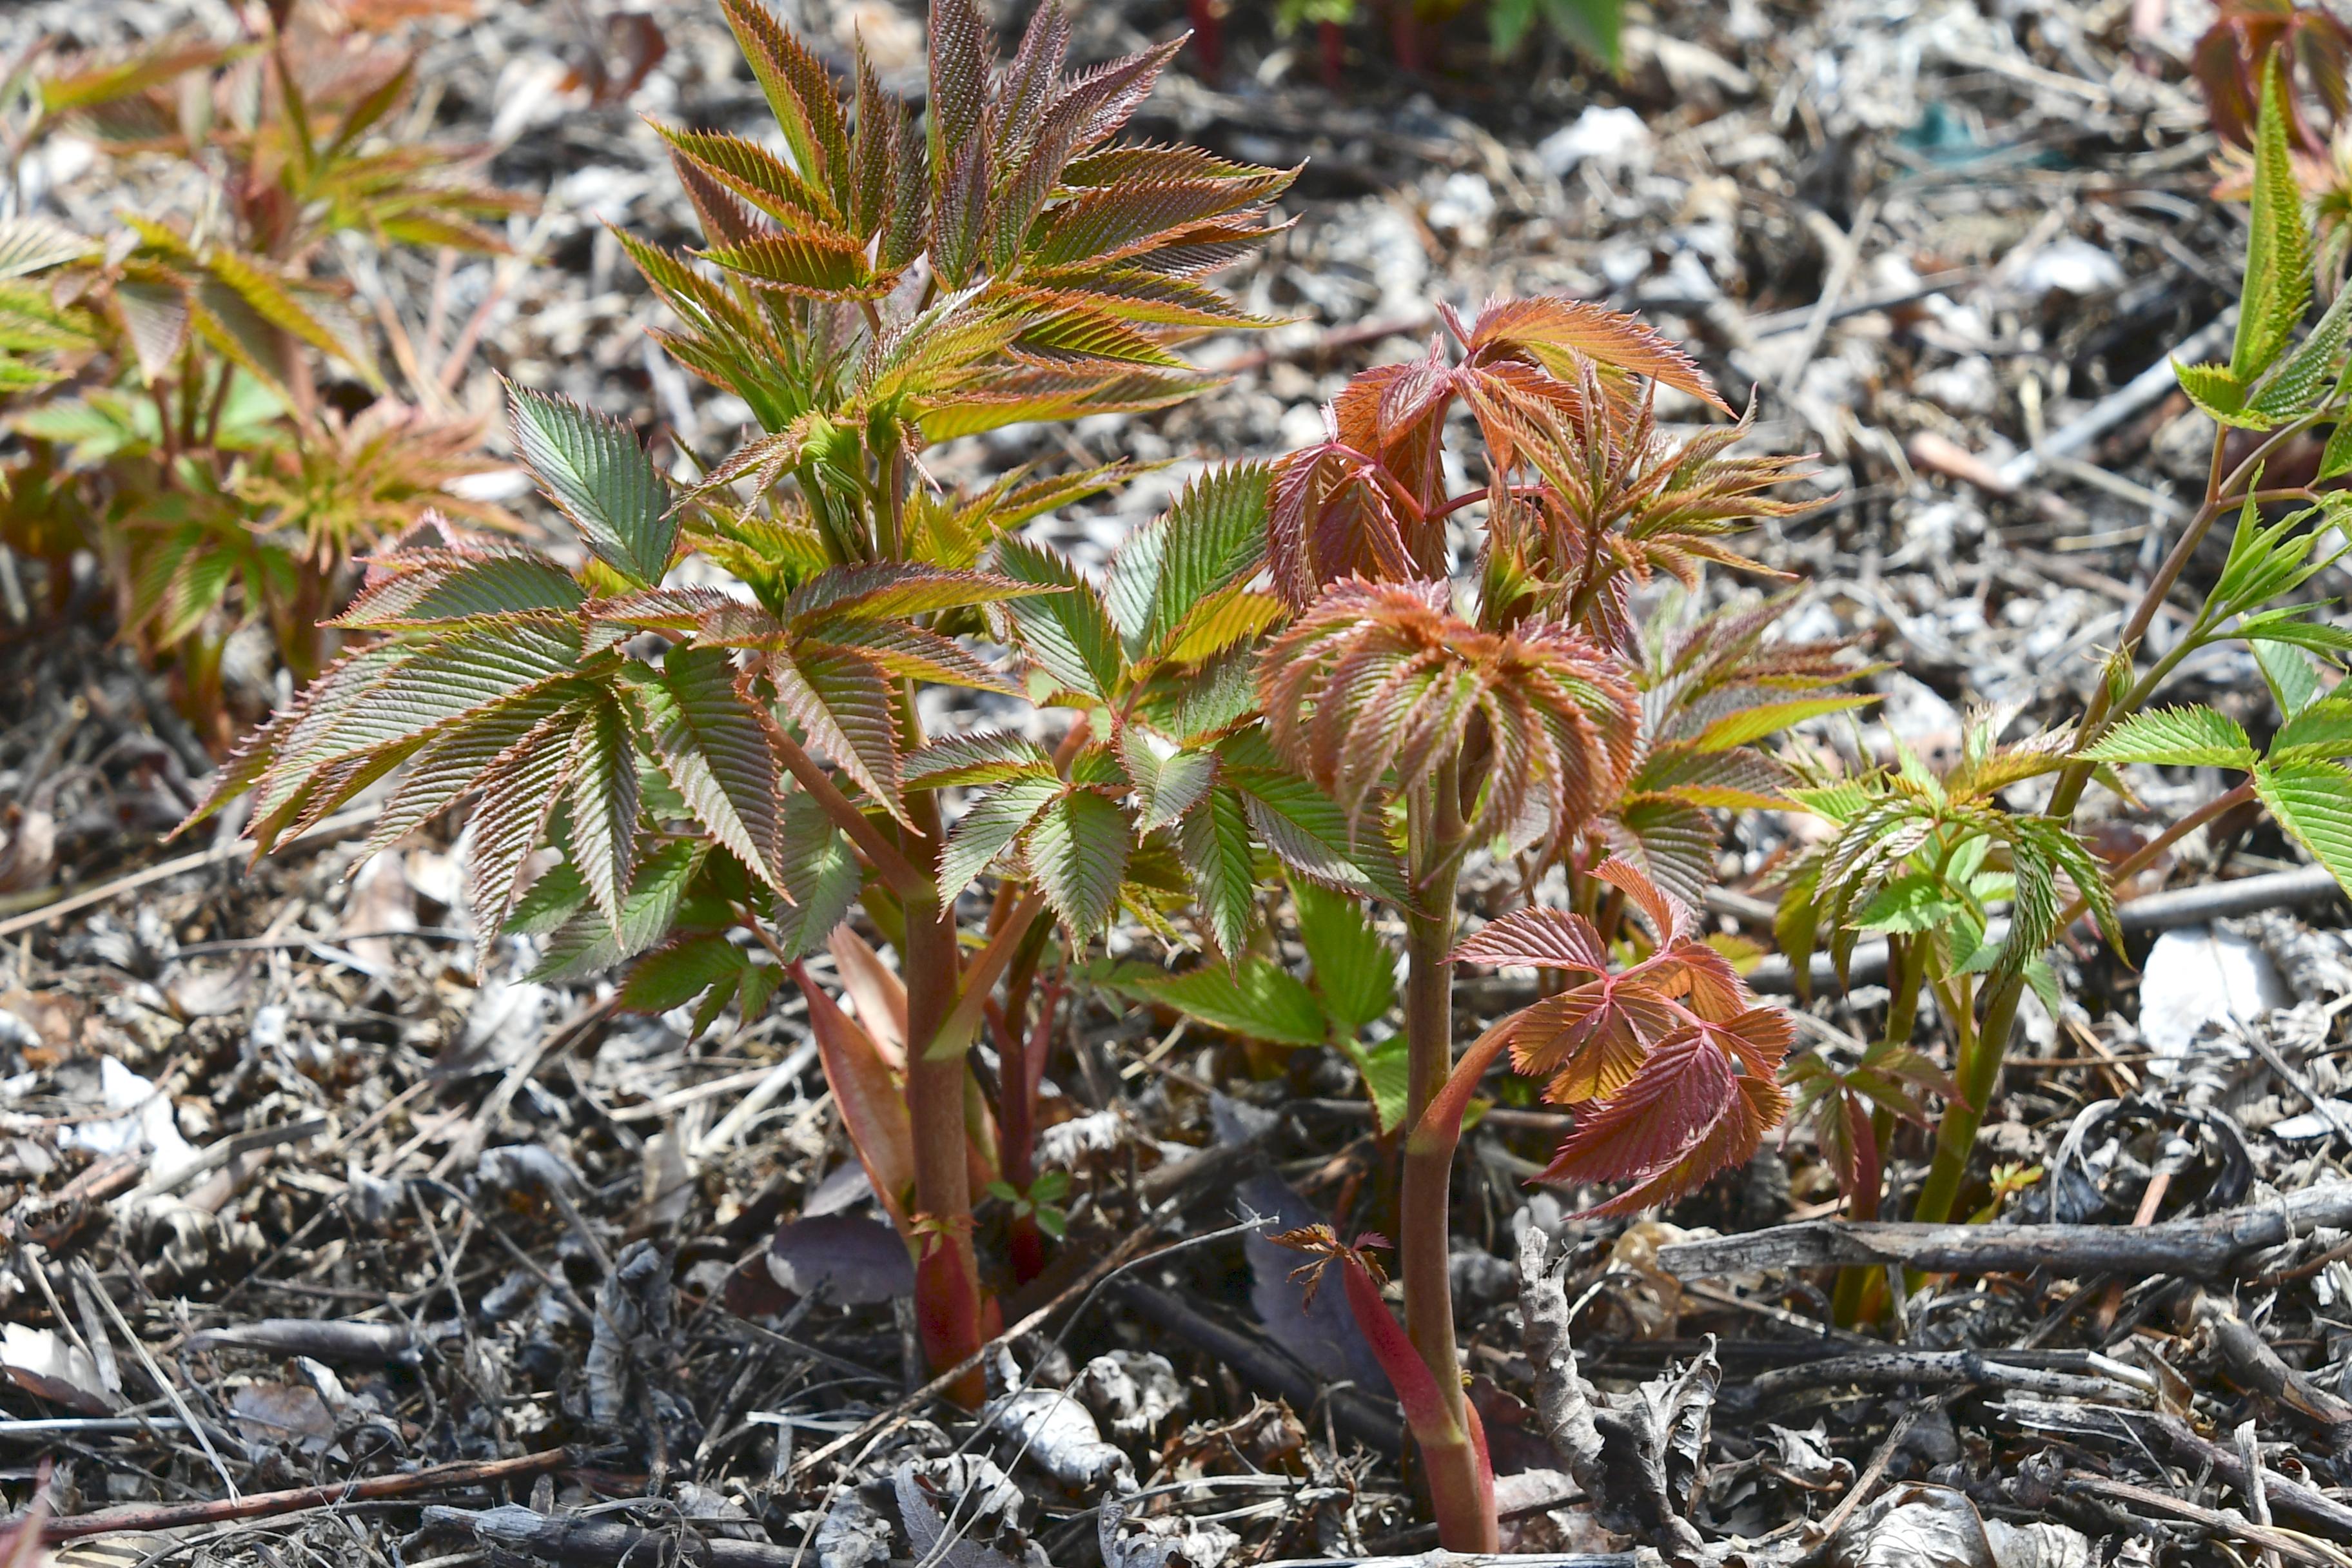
[299, 1183]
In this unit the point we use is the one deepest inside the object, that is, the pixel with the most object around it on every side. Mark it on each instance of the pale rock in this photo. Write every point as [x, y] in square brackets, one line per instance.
[1966, 386]
[1615, 141]
[1464, 210]
[2074, 267]
[2198, 977]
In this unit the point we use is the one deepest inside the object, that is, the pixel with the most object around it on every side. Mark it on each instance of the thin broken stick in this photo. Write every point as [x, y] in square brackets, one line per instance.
[342, 822]
[259, 1505]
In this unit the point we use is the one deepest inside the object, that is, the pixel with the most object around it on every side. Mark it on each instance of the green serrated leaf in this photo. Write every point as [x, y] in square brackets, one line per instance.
[584, 943]
[714, 749]
[2278, 247]
[1213, 842]
[604, 801]
[987, 827]
[1211, 537]
[1387, 1066]
[593, 467]
[2292, 676]
[1078, 849]
[1354, 970]
[1255, 999]
[1913, 903]
[2175, 736]
[2217, 393]
[821, 873]
[1069, 634]
[673, 975]
[1748, 725]
[2320, 731]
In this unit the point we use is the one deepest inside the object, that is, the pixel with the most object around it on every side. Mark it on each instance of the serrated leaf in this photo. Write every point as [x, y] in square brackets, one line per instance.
[591, 466]
[2313, 801]
[1387, 1067]
[2335, 459]
[1211, 537]
[1916, 902]
[1070, 635]
[511, 818]
[1746, 726]
[406, 593]
[1078, 849]
[603, 799]
[2293, 678]
[713, 748]
[1255, 999]
[987, 827]
[883, 590]
[2297, 386]
[820, 266]
[2178, 737]
[2289, 624]
[846, 705]
[1168, 780]
[2278, 248]
[1308, 832]
[31, 243]
[1213, 842]
[672, 975]
[1355, 974]
[585, 943]
[2322, 731]
[821, 872]
[2217, 394]
[980, 757]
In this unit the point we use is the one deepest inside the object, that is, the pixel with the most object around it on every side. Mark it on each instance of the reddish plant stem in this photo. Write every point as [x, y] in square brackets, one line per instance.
[1429, 1038]
[1207, 20]
[1330, 53]
[1424, 1246]
[2141, 858]
[1453, 1444]
[1017, 1110]
[947, 1292]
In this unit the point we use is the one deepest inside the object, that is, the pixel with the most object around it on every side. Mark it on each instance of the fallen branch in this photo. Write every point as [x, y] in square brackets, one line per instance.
[324, 1339]
[593, 1543]
[2199, 1248]
[2227, 1522]
[261, 1505]
[2149, 387]
[1892, 1366]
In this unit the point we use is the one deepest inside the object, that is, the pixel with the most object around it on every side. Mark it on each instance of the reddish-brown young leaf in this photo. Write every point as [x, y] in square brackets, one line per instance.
[1550, 330]
[1544, 938]
[1592, 1038]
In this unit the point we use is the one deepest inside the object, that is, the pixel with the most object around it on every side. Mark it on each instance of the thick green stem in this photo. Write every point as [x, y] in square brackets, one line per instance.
[1909, 955]
[1977, 1073]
